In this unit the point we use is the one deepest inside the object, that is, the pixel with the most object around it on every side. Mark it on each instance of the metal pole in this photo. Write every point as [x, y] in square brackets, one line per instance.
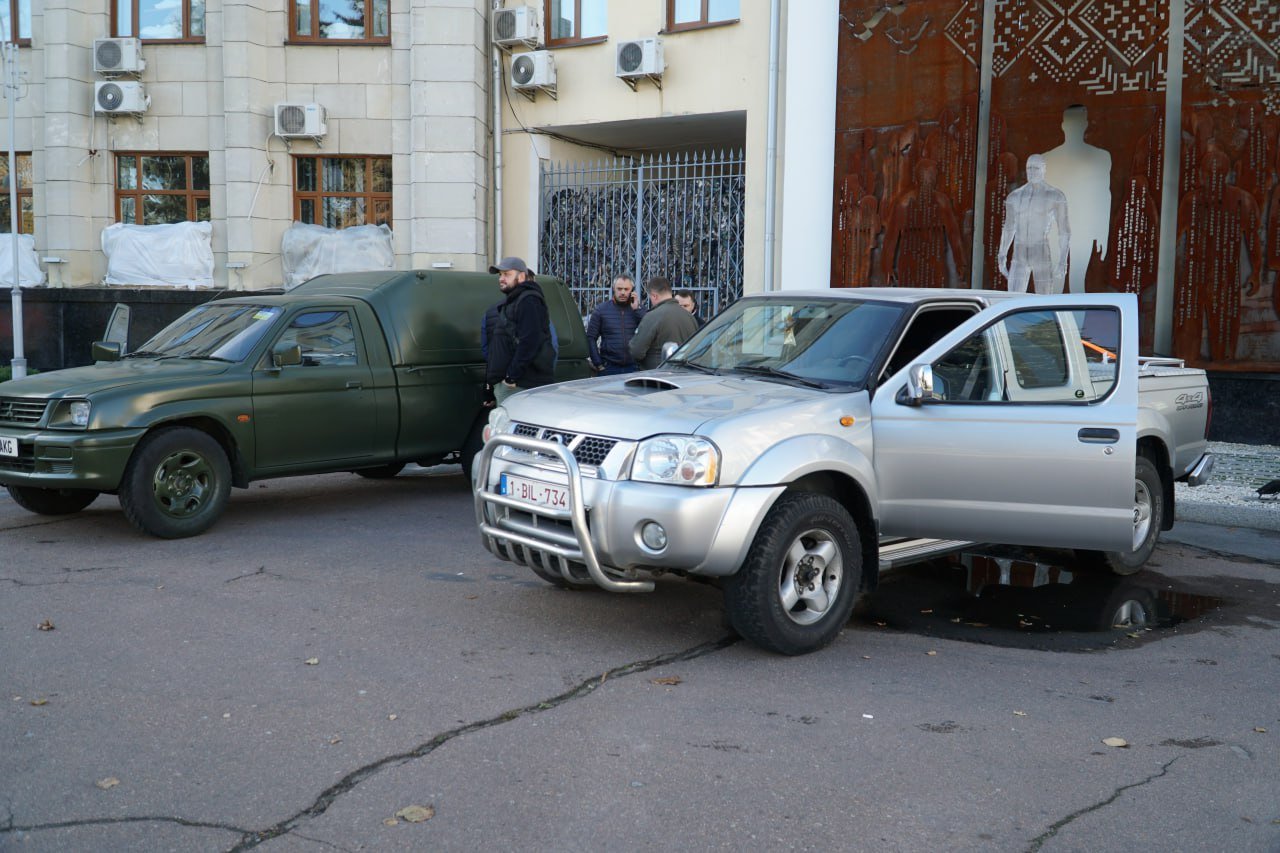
[11, 96]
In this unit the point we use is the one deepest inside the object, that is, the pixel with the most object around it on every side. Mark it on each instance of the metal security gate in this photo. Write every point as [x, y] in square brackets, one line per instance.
[680, 216]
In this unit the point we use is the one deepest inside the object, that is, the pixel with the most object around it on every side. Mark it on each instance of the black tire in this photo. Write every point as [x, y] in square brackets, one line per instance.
[809, 538]
[52, 501]
[381, 472]
[177, 483]
[1148, 520]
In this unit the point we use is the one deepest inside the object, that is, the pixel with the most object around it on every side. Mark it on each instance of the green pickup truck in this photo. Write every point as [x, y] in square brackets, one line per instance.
[363, 372]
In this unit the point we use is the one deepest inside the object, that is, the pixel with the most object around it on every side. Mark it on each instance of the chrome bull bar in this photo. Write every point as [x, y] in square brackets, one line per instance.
[517, 537]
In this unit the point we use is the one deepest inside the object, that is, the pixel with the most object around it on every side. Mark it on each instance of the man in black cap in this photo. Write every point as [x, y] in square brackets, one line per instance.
[518, 332]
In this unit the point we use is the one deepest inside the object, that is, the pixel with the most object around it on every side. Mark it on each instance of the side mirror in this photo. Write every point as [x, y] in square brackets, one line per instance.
[285, 355]
[668, 348]
[107, 350]
[919, 388]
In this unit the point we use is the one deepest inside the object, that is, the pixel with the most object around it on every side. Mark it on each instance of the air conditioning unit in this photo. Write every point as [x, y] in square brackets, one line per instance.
[120, 96]
[300, 120]
[516, 26]
[118, 56]
[641, 58]
[534, 71]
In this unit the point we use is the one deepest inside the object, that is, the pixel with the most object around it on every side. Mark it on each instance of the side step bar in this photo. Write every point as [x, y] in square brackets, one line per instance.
[903, 552]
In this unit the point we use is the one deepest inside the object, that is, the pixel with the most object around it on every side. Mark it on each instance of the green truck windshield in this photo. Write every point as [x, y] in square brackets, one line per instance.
[223, 332]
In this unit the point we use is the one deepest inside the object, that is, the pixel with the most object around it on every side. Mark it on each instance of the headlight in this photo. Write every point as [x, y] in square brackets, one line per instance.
[71, 414]
[681, 460]
[499, 422]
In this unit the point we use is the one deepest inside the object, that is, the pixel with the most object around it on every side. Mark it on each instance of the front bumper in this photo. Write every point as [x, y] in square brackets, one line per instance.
[51, 459]
[596, 538]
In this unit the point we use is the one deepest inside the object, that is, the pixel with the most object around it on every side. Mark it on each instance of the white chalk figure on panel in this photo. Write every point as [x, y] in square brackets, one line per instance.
[1084, 173]
[1032, 213]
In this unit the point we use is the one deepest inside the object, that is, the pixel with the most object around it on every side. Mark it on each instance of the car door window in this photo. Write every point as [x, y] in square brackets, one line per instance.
[325, 337]
[1045, 356]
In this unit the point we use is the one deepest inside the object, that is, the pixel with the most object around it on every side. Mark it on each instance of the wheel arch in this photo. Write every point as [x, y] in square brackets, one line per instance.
[1154, 449]
[216, 430]
[853, 497]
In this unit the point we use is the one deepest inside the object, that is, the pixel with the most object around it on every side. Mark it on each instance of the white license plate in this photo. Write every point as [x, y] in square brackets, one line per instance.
[534, 491]
[8, 446]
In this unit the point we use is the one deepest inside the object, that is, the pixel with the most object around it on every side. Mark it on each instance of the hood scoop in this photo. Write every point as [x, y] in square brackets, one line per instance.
[650, 383]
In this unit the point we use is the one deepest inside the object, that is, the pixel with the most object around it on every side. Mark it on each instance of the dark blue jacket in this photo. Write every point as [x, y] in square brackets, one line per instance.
[612, 325]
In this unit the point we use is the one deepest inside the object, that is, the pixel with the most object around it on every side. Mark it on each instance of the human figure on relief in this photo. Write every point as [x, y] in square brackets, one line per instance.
[1032, 213]
[1083, 172]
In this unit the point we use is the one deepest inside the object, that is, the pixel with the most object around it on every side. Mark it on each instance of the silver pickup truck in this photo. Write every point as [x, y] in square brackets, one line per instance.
[802, 442]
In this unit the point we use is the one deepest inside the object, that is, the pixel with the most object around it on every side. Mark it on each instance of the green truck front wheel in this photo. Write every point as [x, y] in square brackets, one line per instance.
[51, 501]
[177, 483]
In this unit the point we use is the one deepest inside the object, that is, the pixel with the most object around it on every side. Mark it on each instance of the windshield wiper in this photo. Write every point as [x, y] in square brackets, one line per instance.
[204, 357]
[701, 368]
[142, 353]
[762, 370]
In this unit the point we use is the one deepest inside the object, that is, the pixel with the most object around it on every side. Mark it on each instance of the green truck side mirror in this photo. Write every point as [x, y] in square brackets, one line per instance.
[286, 354]
[107, 350]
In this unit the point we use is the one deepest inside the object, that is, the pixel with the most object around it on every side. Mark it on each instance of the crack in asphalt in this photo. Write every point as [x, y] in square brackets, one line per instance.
[68, 575]
[250, 838]
[261, 572]
[1038, 842]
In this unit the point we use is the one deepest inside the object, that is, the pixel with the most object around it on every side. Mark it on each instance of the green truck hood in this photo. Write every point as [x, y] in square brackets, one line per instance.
[106, 375]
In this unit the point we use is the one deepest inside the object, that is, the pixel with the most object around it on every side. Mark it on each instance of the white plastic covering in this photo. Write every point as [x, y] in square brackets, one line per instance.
[29, 272]
[1031, 213]
[307, 251]
[177, 255]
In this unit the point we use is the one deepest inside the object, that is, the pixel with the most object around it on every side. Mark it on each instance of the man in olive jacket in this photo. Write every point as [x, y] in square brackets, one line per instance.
[666, 321]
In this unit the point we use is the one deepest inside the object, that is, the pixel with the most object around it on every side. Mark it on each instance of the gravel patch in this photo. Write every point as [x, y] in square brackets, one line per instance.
[1230, 497]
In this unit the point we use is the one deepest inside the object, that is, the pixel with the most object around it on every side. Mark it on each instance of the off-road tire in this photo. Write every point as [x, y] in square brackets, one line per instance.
[177, 483]
[51, 501]
[807, 542]
[1148, 520]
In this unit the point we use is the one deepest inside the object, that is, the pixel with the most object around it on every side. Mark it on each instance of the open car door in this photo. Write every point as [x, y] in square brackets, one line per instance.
[1019, 427]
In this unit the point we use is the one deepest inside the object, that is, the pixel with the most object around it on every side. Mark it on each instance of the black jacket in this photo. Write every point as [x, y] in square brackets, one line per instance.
[519, 340]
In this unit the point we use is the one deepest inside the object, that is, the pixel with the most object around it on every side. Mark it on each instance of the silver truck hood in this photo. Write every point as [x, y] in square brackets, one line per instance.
[637, 405]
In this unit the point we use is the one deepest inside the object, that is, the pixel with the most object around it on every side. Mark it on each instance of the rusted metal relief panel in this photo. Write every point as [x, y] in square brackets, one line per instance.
[906, 139]
[1083, 84]
[1227, 300]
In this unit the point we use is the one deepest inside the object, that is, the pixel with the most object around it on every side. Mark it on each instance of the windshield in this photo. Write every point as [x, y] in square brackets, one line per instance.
[227, 332]
[830, 343]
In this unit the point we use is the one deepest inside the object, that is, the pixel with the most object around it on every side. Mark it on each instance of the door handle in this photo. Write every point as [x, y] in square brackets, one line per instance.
[1098, 435]
[355, 385]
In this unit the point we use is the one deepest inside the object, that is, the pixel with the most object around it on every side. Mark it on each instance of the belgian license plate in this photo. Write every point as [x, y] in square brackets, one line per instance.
[8, 446]
[534, 491]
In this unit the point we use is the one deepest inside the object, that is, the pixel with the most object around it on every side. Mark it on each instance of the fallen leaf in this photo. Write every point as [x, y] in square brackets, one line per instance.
[471, 597]
[932, 654]
[927, 612]
[1134, 634]
[866, 657]
[1118, 742]
[1020, 713]
[1260, 730]
[335, 740]
[670, 679]
[391, 822]
[109, 782]
[881, 624]
[39, 702]
[391, 716]
[416, 814]
[311, 661]
[46, 625]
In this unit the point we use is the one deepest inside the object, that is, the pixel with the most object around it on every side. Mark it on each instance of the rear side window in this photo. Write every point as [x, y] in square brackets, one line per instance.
[1039, 355]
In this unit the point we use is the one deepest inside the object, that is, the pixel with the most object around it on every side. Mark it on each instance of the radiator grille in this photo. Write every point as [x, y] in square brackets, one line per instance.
[21, 410]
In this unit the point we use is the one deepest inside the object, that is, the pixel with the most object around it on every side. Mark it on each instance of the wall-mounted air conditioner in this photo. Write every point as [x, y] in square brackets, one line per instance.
[516, 26]
[305, 120]
[533, 72]
[118, 56]
[640, 59]
[120, 96]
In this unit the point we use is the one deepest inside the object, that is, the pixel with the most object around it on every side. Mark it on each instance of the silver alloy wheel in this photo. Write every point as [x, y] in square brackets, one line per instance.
[811, 575]
[1142, 509]
[1131, 614]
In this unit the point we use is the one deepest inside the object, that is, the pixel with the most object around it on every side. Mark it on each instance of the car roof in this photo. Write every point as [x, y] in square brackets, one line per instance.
[902, 295]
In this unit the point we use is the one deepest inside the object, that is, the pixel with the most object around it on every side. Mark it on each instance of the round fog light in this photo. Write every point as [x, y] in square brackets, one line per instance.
[653, 536]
